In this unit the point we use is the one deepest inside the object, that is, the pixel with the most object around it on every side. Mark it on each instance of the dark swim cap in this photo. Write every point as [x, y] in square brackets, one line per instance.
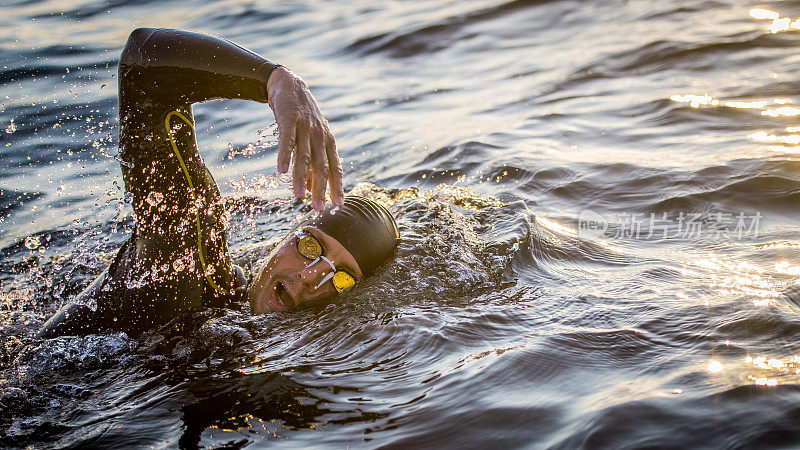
[365, 228]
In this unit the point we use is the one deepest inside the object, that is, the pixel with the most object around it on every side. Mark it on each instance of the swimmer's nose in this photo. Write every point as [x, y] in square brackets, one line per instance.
[312, 275]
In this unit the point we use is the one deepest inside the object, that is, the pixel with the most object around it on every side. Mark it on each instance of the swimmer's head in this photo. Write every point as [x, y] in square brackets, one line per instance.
[327, 254]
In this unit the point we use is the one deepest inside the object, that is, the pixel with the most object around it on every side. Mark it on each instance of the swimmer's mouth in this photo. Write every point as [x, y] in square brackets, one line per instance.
[282, 296]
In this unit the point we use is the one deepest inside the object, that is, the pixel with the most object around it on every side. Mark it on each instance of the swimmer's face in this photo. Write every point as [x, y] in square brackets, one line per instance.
[287, 281]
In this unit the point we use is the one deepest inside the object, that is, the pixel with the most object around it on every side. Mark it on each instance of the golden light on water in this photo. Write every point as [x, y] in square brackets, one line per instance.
[764, 285]
[747, 105]
[779, 23]
[695, 101]
[784, 111]
[767, 107]
[786, 268]
[763, 381]
[767, 138]
[760, 370]
[763, 14]
[557, 227]
[770, 108]
[773, 371]
[776, 107]
[715, 367]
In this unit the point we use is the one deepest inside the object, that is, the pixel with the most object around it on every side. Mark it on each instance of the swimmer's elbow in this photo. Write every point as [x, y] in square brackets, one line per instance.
[139, 35]
[135, 49]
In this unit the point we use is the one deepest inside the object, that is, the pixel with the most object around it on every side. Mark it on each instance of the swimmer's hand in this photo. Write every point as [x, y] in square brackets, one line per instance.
[302, 128]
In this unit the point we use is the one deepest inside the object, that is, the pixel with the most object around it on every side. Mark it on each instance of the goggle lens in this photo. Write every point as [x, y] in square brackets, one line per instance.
[309, 247]
[343, 281]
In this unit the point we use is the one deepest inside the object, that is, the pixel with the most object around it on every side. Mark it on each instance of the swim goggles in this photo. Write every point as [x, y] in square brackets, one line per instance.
[309, 247]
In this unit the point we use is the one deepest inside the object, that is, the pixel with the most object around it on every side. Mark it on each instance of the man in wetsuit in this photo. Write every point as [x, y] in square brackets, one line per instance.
[177, 258]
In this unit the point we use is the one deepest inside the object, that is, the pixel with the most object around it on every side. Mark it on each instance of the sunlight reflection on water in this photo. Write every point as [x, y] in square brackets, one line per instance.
[487, 128]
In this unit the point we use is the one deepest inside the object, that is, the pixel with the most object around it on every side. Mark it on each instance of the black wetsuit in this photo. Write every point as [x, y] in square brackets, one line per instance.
[177, 258]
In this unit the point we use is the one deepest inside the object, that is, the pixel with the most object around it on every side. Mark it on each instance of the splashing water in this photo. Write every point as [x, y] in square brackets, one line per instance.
[495, 325]
[265, 141]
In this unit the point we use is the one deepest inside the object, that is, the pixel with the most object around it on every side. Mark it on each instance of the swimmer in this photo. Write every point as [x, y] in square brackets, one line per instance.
[177, 257]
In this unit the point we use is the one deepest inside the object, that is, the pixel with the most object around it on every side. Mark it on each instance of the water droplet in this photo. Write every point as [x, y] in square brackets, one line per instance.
[154, 198]
[12, 127]
[32, 242]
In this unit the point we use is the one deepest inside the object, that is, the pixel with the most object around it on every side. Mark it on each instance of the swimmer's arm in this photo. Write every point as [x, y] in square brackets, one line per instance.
[70, 320]
[191, 67]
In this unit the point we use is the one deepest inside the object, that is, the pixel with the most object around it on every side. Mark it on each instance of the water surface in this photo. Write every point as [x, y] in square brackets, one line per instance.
[498, 133]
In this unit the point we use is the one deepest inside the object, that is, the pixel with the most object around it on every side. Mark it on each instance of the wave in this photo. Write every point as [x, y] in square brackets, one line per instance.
[11, 200]
[431, 38]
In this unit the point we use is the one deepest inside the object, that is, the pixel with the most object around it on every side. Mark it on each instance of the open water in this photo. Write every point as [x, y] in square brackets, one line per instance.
[599, 205]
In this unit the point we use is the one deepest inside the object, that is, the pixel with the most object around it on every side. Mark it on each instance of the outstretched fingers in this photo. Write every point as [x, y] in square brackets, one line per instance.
[334, 171]
[306, 138]
[286, 142]
[302, 159]
[319, 167]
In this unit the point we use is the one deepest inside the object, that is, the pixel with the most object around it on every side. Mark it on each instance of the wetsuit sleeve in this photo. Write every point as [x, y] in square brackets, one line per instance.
[190, 67]
[177, 258]
[161, 73]
[180, 218]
